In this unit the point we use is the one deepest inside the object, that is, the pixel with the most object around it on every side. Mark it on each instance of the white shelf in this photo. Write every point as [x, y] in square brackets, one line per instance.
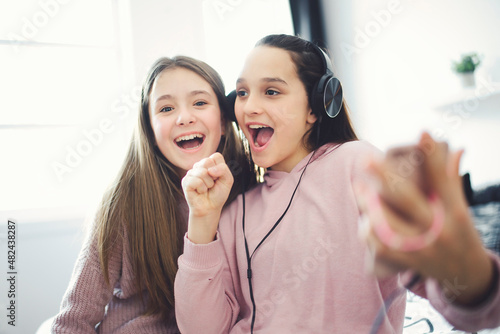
[470, 96]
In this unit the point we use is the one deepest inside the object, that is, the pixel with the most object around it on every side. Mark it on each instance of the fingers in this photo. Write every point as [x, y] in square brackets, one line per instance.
[214, 164]
[220, 171]
[400, 192]
[217, 166]
[206, 173]
[441, 168]
[454, 163]
[434, 167]
[205, 163]
[197, 179]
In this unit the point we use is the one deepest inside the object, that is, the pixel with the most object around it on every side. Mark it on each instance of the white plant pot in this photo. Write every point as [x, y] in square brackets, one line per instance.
[467, 80]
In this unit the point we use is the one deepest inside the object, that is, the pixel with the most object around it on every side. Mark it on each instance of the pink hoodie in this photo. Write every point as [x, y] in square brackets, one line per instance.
[308, 275]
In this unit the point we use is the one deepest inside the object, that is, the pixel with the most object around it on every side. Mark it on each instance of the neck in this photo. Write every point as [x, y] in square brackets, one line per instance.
[290, 165]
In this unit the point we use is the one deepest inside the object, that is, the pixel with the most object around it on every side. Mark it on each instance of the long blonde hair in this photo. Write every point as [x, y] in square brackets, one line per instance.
[146, 194]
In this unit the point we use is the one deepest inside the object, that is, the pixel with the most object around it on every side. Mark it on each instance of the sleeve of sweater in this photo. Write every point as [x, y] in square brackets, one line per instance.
[204, 295]
[83, 305]
[486, 315]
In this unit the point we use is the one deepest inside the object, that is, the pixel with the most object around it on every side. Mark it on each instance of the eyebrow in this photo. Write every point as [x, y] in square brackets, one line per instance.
[193, 93]
[266, 80]
[198, 92]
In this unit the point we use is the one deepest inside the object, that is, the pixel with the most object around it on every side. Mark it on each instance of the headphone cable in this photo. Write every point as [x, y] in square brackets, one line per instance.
[249, 257]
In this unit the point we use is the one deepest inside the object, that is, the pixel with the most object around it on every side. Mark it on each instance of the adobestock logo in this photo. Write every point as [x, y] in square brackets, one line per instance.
[407, 165]
[222, 7]
[94, 137]
[83, 148]
[363, 37]
[454, 114]
[297, 275]
[30, 27]
[458, 111]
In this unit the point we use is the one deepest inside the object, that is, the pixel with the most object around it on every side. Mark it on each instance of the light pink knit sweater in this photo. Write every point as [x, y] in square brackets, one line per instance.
[91, 306]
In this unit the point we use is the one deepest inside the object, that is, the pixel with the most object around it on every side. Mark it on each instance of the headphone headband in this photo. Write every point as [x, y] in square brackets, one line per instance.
[327, 64]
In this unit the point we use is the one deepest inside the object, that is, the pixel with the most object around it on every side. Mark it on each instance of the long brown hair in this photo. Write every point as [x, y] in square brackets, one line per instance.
[146, 194]
[309, 69]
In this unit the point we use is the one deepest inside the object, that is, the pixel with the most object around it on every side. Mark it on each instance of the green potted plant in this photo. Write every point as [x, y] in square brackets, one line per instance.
[465, 68]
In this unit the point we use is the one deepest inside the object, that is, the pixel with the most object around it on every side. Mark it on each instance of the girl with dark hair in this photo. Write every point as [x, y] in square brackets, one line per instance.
[124, 277]
[285, 256]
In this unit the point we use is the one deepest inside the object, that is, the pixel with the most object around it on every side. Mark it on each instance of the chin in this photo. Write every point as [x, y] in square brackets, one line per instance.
[261, 163]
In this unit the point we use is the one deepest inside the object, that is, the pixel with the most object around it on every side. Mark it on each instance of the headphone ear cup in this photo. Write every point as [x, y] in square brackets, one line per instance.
[317, 98]
[333, 97]
[327, 96]
[231, 99]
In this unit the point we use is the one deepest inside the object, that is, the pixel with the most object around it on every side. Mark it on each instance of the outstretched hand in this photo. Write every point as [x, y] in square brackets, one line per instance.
[206, 187]
[428, 228]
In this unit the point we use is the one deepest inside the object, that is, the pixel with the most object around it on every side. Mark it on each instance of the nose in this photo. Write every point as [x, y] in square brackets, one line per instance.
[251, 105]
[185, 117]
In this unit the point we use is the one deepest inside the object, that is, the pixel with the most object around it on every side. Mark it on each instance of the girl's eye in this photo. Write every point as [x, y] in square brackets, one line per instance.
[271, 92]
[166, 109]
[241, 93]
[200, 103]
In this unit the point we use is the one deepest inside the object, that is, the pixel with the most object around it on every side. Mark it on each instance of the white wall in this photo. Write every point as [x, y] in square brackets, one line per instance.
[45, 255]
[203, 29]
[394, 57]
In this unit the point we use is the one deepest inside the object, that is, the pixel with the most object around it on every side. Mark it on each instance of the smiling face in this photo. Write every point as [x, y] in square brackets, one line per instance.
[185, 117]
[272, 109]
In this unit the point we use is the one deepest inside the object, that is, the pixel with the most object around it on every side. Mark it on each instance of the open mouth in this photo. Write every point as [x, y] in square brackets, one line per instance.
[190, 142]
[261, 134]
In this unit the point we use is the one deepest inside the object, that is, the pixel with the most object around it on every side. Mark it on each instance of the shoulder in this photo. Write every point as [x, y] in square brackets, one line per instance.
[350, 152]
[345, 161]
[357, 147]
[111, 246]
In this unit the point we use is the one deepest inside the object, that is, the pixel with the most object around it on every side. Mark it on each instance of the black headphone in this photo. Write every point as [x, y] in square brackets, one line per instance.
[327, 95]
[231, 99]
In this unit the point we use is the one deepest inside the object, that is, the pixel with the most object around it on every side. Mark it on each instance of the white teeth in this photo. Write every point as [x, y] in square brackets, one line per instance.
[189, 137]
[257, 126]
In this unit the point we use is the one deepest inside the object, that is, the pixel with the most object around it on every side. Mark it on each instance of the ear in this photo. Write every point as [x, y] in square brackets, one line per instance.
[311, 117]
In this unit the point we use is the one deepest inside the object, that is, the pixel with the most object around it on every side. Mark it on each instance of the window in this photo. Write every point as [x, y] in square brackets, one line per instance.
[71, 76]
[57, 70]
[233, 27]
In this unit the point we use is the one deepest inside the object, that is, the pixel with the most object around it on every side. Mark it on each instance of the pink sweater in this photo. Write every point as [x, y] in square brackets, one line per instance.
[308, 275]
[483, 316]
[91, 306]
